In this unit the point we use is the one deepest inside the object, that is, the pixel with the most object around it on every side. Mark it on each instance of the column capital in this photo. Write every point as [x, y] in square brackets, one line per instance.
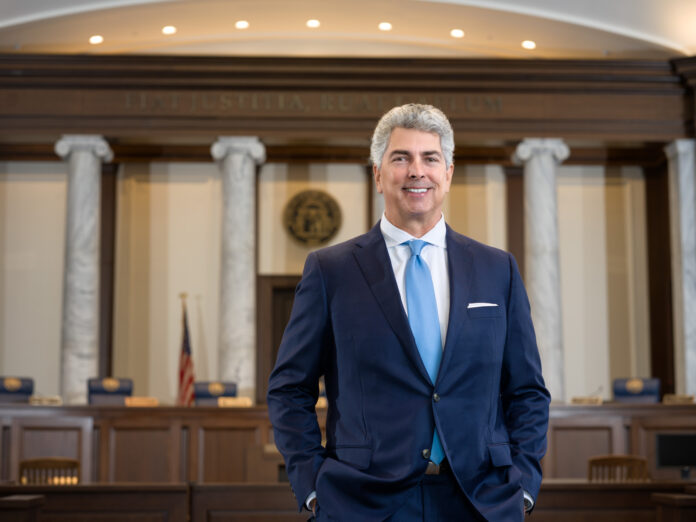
[93, 143]
[530, 147]
[679, 147]
[247, 145]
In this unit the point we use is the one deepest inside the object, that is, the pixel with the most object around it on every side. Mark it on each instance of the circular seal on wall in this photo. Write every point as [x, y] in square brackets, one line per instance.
[312, 217]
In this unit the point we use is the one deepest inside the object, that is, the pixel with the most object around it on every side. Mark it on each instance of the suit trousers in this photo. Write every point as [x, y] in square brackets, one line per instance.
[437, 498]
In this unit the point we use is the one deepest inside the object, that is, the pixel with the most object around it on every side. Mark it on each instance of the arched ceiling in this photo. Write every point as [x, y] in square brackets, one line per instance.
[595, 29]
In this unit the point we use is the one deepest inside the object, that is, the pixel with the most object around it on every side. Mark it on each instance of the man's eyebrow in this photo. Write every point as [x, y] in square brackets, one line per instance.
[433, 152]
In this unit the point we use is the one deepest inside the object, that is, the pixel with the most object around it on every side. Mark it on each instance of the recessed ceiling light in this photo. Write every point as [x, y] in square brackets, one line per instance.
[313, 23]
[169, 29]
[96, 39]
[457, 33]
[241, 24]
[385, 26]
[529, 44]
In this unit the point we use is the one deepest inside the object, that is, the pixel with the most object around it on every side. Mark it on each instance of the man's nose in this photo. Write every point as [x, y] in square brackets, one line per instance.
[415, 169]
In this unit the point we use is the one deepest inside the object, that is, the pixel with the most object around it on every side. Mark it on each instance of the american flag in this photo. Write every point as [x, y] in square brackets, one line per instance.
[186, 393]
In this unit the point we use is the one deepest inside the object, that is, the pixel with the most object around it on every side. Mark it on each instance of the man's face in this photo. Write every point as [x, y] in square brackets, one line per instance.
[413, 179]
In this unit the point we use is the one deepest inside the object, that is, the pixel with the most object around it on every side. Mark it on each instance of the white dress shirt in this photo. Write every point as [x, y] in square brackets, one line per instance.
[435, 256]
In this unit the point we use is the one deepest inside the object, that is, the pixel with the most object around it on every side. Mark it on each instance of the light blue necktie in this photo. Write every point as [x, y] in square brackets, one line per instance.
[425, 325]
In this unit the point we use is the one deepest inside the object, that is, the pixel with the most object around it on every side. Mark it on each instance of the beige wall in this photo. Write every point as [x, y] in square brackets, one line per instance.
[604, 278]
[168, 241]
[476, 205]
[32, 249]
[278, 253]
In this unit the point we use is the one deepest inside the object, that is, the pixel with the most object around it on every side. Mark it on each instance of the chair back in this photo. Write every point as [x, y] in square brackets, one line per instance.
[617, 468]
[109, 391]
[207, 393]
[51, 471]
[16, 389]
[640, 390]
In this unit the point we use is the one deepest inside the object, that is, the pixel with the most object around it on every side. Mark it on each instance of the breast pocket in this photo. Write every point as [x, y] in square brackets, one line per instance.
[485, 311]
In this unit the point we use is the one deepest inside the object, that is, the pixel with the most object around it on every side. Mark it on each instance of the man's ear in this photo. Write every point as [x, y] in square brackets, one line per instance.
[448, 176]
[378, 178]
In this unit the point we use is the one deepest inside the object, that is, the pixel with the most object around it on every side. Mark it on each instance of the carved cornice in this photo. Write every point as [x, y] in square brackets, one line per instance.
[314, 99]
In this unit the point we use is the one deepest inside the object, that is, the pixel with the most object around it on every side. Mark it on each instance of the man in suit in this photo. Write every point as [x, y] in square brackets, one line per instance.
[437, 409]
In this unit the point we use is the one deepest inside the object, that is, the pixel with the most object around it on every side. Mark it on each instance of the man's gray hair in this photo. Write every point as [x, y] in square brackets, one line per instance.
[416, 116]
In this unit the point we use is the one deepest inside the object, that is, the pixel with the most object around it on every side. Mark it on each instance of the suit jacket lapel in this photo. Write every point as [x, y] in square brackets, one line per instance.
[373, 259]
[461, 271]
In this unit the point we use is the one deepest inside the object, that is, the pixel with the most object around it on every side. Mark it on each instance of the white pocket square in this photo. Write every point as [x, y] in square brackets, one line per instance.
[480, 305]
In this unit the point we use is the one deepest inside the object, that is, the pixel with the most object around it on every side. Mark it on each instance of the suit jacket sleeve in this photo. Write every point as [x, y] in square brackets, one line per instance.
[293, 385]
[524, 395]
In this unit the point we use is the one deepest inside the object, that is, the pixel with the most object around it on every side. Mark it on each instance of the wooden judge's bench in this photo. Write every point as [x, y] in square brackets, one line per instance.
[220, 463]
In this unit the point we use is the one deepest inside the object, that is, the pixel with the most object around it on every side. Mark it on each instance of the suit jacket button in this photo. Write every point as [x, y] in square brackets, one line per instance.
[426, 453]
[436, 397]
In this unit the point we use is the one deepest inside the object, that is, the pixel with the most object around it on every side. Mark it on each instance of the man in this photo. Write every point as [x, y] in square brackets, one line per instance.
[437, 409]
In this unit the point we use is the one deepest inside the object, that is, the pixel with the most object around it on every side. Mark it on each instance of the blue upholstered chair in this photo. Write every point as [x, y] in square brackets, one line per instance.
[208, 392]
[109, 391]
[642, 390]
[16, 389]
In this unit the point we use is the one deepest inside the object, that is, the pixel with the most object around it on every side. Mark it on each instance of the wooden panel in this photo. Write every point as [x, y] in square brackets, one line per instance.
[110, 503]
[275, 295]
[572, 441]
[514, 181]
[34, 437]
[21, 508]
[317, 98]
[643, 432]
[660, 276]
[244, 503]
[263, 464]
[143, 450]
[201, 444]
[579, 501]
[107, 264]
[222, 453]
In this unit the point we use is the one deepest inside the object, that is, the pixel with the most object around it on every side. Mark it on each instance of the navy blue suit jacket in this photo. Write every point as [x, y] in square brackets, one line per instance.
[348, 324]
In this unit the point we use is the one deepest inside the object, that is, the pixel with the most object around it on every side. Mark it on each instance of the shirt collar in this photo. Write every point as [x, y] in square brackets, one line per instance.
[395, 236]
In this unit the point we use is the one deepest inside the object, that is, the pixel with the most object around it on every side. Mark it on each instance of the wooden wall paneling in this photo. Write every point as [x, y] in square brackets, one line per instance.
[674, 507]
[275, 295]
[644, 442]
[107, 267]
[144, 448]
[514, 181]
[316, 98]
[5, 452]
[109, 503]
[660, 275]
[21, 508]
[222, 445]
[54, 436]
[580, 501]
[573, 440]
[244, 503]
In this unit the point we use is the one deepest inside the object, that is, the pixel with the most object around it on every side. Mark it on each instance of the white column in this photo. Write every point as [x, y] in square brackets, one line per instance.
[80, 327]
[541, 158]
[682, 218]
[237, 158]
